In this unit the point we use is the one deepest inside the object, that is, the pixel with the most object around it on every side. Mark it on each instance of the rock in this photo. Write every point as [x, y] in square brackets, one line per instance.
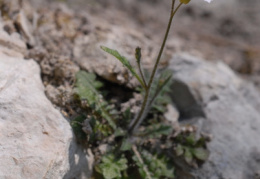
[25, 28]
[133, 104]
[172, 115]
[89, 56]
[230, 108]
[11, 45]
[36, 141]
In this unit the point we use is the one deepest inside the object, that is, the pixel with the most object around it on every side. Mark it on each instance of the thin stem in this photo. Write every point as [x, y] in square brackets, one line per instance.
[173, 3]
[158, 90]
[137, 121]
[141, 81]
[142, 74]
[163, 44]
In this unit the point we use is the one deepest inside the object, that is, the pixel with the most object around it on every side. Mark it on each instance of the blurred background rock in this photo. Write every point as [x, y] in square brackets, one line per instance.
[222, 30]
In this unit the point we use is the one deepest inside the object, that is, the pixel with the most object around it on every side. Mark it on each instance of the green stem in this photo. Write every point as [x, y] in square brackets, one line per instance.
[158, 90]
[142, 75]
[137, 121]
[163, 44]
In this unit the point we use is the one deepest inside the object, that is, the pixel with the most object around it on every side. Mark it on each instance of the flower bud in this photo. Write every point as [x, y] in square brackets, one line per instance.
[185, 1]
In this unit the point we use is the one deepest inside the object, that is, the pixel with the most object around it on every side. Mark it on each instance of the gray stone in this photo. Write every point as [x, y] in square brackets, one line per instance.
[230, 107]
[36, 141]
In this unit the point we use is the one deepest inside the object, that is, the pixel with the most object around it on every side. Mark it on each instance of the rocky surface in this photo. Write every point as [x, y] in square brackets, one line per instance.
[222, 30]
[227, 107]
[88, 54]
[36, 141]
[11, 45]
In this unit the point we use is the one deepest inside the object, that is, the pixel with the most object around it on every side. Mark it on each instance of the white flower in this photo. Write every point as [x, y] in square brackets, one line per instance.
[208, 1]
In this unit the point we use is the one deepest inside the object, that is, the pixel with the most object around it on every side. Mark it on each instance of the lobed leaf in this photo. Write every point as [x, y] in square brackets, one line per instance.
[86, 88]
[188, 155]
[191, 139]
[179, 150]
[76, 125]
[111, 167]
[156, 130]
[158, 167]
[126, 145]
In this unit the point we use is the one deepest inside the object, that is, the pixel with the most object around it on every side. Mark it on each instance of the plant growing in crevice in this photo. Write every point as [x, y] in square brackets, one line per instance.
[132, 150]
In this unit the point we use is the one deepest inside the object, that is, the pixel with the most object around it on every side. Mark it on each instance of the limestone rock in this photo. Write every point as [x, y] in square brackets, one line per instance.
[230, 108]
[36, 141]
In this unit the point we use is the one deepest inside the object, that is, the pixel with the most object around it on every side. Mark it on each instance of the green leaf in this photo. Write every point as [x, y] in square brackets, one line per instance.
[76, 125]
[124, 61]
[191, 139]
[86, 88]
[179, 150]
[201, 154]
[160, 107]
[158, 167]
[100, 130]
[159, 91]
[126, 145]
[188, 155]
[161, 82]
[127, 117]
[201, 142]
[164, 78]
[156, 130]
[127, 114]
[119, 132]
[111, 167]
